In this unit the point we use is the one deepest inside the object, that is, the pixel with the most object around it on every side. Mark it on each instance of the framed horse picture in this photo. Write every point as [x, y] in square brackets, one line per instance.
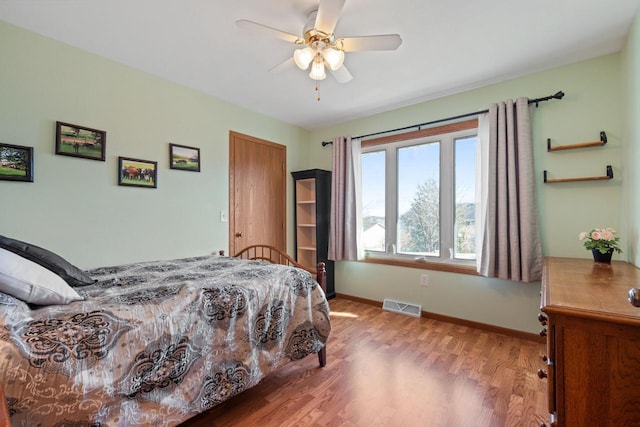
[16, 163]
[137, 172]
[80, 141]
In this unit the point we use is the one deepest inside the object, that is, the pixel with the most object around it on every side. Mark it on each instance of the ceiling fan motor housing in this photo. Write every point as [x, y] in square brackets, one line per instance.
[312, 35]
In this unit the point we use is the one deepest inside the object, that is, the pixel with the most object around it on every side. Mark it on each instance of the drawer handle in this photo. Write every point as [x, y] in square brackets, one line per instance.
[542, 318]
[634, 297]
[542, 374]
[543, 332]
[544, 357]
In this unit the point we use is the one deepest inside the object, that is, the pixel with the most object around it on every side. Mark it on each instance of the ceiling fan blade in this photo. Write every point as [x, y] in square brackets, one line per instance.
[289, 63]
[342, 75]
[266, 30]
[381, 42]
[328, 14]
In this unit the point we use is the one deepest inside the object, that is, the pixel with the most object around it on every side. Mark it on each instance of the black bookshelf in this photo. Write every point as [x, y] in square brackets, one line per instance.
[312, 198]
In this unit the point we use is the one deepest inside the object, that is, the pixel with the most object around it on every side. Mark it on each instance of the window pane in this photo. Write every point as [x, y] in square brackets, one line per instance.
[373, 201]
[419, 199]
[465, 208]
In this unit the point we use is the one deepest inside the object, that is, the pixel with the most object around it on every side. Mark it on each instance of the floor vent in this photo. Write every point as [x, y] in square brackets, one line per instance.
[402, 307]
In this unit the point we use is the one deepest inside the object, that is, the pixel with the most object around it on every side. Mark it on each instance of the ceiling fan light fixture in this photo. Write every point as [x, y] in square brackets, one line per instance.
[317, 71]
[319, 47]
[303, 57]
[333, 57]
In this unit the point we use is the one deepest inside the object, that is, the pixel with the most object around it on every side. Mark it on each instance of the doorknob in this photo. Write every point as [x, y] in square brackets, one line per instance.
[238, 233]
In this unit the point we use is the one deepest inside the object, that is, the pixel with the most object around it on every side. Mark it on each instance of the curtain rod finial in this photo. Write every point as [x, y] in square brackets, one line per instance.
[325, 143]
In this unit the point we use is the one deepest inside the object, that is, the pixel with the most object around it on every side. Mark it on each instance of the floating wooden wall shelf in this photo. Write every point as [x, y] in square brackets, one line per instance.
[609, 175]
[603, 140]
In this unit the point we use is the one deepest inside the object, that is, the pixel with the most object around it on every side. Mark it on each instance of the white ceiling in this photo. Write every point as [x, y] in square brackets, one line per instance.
[448, 46]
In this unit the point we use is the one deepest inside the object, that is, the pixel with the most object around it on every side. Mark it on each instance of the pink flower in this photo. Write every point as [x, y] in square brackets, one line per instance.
[602, 239]
[606, 235]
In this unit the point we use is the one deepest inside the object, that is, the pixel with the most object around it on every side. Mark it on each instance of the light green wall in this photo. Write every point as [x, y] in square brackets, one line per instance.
[631, 80]
[593, 102]
[75, 206]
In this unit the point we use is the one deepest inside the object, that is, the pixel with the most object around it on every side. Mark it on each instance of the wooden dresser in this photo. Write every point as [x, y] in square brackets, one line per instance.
[593, 343]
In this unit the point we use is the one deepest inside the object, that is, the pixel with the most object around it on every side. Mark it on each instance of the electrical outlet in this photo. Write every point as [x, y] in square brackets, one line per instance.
[424, 280]
[223, 216]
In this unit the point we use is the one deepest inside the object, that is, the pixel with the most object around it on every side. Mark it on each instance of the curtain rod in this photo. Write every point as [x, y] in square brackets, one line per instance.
[557, 95]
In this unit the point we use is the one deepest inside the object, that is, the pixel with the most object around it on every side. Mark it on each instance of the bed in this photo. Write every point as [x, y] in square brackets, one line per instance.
[155, 343]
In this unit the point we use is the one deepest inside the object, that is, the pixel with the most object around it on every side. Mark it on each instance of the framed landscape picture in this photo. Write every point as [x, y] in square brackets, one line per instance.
[80, 141]
[184, 158]
[137, 173]
[16, 163]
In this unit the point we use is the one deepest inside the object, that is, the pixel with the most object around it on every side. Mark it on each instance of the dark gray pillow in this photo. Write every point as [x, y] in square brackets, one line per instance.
[69, 272]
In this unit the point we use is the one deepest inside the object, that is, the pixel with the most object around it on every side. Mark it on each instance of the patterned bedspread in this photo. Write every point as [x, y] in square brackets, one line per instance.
[156, 343]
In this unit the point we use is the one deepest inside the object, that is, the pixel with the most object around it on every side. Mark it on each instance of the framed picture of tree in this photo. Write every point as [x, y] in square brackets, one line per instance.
[16, 163]
[184, 158]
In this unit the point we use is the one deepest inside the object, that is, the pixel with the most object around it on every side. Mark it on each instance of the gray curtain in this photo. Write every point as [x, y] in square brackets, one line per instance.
[344, 233]
[510, 237]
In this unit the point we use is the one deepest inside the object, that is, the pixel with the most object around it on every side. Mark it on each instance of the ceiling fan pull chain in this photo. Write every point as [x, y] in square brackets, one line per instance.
[318, 91]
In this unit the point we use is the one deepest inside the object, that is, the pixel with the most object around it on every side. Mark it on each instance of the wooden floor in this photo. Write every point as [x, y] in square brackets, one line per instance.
[387, 369]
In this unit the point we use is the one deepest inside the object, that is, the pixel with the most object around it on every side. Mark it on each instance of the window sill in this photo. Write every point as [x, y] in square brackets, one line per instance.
[425, 265]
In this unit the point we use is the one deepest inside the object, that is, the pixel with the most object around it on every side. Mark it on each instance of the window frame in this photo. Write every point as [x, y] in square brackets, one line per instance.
[446, 135]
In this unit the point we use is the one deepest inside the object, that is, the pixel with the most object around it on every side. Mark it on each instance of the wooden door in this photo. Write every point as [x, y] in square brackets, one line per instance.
[257, 193]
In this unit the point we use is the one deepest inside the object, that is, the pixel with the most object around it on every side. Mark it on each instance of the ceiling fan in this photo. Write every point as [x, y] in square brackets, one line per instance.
[318, 45]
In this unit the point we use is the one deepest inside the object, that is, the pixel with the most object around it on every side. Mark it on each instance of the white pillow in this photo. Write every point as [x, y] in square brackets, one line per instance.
[33, 283]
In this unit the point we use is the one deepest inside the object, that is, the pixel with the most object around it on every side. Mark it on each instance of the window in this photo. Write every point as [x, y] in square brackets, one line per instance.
[373, 201]
[418, 192]
[465, 198]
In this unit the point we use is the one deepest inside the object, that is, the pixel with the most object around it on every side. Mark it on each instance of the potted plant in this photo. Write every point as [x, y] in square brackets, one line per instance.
[602, 242]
